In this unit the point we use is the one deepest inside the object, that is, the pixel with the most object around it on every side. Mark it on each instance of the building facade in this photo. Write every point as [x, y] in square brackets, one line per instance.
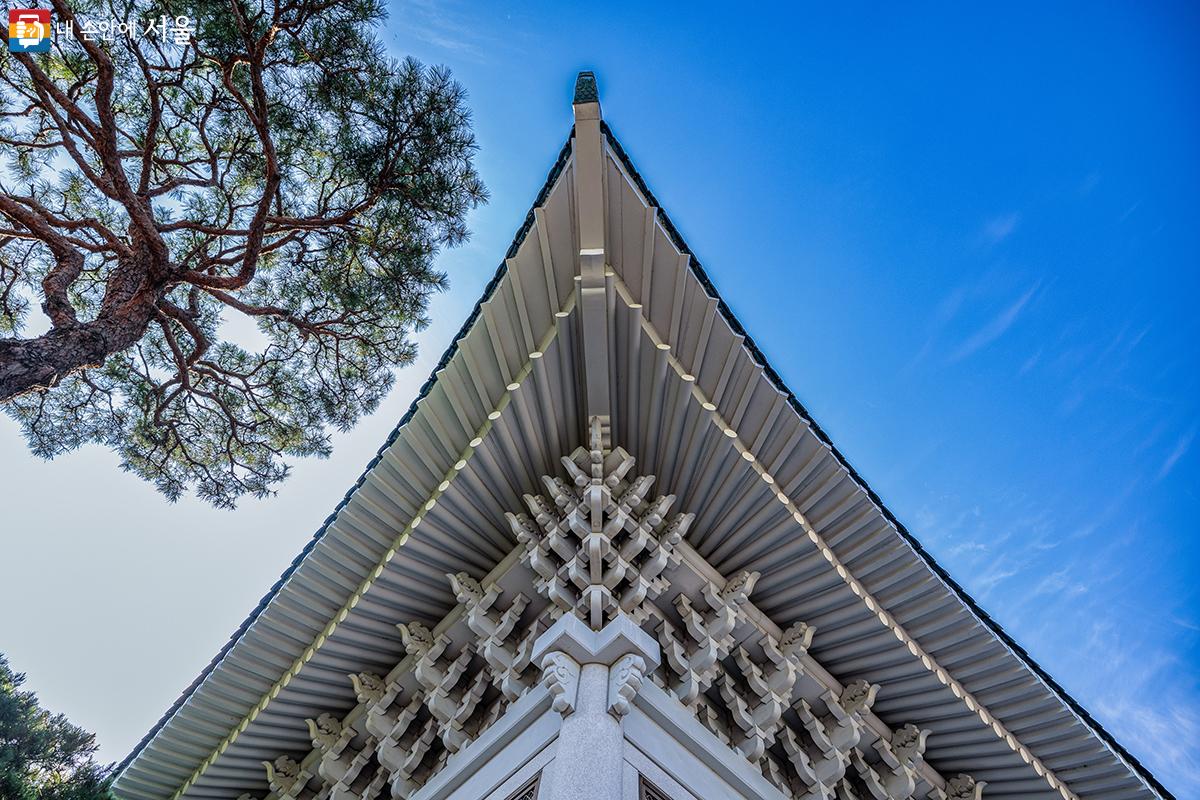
[607, 555]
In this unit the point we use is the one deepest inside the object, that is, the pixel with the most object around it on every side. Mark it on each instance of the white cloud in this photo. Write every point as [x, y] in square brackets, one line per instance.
[995, 328]
[1031, 362]
[999, 228]
[968, 547]
[999, 572]
[1161, 731]
[1059, 583]
[1180, 450]
[446, 26]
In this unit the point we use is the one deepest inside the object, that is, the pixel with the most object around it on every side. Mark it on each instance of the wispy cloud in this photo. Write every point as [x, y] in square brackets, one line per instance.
[1164, 733]
[1123, 343]
[992, 577]
[1149, 710]
[946, 310]
[1111, 509]
[1089, 183]
[1061, 584]
[1031, 362]
[1138, 690]
[1066, 587]
[996, 327]
[963, 548]
[1179, 451]
[1074, 399]
[999, 228]
[444, 26]
[1129, 211]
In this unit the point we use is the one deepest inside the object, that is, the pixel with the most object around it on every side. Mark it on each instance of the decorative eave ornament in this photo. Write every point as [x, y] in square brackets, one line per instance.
[603, 553]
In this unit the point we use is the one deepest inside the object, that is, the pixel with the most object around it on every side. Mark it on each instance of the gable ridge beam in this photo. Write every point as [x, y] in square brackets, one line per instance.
[591, 277]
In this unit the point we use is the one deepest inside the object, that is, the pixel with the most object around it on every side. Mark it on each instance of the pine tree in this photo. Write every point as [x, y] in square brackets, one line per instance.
[42, 755]
[271, 163]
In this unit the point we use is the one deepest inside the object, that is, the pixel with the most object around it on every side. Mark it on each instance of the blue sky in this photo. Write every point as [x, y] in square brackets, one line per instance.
[966, 237]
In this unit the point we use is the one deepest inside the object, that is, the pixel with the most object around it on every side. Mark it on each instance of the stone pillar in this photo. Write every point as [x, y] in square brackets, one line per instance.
[593, 676]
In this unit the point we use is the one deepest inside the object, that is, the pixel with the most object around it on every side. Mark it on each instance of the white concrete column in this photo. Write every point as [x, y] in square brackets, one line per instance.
[593, 676]
[590, 748]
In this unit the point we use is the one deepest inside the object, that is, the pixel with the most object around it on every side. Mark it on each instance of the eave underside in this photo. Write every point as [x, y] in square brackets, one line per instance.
[696, 404]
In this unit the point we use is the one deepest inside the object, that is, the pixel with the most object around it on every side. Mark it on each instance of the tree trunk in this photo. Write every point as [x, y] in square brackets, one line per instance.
[130, 303]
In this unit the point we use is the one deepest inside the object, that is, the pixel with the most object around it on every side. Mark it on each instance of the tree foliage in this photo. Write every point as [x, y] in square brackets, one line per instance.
[278, 168]
[42, 755]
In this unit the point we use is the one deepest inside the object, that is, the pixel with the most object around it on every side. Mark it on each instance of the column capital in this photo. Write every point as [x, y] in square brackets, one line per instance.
[618, 657]
[620, 637]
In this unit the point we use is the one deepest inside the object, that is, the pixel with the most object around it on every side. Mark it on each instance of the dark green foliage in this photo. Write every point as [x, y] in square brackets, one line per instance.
[280, 169]
[42, 755]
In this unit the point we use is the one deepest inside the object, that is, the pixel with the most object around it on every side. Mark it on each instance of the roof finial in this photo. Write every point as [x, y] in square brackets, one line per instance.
[586, 90]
